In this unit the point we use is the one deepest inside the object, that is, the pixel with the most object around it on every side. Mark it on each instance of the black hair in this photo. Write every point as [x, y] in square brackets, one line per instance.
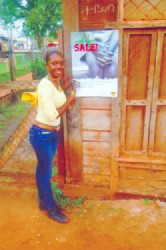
[49, 53]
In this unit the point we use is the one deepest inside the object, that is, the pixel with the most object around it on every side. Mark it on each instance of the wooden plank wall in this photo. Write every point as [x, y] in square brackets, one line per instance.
[142, 179]
[132, 158]
[96, 140]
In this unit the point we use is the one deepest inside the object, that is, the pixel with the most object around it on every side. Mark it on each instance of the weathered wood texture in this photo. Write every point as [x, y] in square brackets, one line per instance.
[157, 143]
[72, 135]
[141, 179]
[93, 14]
[60, 40]
[139, 59]
[144, 10]
[88, 191]
[17, 137]
[134, 24]
[19, 85]
[132, 158]
[144, 99]
[142, 162]
[96, 140]
[116, 120]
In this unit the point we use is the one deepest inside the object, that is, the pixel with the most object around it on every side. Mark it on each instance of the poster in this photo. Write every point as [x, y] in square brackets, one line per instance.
[95, 62]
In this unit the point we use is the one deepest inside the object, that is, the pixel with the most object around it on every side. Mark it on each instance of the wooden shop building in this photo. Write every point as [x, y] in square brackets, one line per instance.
[118, 145]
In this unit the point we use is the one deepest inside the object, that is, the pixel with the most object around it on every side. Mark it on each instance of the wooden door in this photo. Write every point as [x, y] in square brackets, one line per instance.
[157, 143]
[144, 93]
[142, 161]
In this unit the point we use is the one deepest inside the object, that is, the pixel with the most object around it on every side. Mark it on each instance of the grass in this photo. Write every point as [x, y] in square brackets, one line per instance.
[23, 63]
[6, 76]
[12, 110]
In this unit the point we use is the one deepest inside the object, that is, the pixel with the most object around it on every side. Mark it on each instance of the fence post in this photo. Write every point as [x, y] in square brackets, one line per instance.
[32, 49]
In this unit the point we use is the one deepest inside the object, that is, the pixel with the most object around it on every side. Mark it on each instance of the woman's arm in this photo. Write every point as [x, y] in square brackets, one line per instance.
[70, 101]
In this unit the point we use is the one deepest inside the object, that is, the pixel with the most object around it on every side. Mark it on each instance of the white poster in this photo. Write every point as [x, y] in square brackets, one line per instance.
[95, 62]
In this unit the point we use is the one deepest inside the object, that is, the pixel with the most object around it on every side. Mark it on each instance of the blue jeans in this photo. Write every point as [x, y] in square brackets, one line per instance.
[44, 143]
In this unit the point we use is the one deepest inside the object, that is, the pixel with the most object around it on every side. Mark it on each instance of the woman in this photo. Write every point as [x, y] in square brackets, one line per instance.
[52, 103]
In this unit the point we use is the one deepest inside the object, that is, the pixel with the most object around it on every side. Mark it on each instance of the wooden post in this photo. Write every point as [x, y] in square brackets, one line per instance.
[71, 121]
[120, 10]
[61, 151]
[115, 136]
[116, 104]
[11, 59]
[60, 40]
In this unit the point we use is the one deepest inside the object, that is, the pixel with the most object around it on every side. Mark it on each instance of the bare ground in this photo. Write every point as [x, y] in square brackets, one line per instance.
[104, 225]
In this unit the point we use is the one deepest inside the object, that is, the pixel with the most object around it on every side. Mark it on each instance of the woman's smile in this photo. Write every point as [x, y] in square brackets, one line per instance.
[55, 66]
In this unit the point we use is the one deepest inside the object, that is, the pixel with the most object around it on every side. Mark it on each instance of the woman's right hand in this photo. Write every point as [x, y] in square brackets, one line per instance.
[71, 99]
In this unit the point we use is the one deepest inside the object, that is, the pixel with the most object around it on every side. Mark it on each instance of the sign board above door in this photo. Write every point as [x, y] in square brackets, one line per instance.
[94, 13]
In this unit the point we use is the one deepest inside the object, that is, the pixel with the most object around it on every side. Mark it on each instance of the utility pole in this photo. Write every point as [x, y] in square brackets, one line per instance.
[11, 58]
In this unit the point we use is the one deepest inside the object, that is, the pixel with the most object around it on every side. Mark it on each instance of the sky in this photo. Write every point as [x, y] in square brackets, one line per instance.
[16, 32]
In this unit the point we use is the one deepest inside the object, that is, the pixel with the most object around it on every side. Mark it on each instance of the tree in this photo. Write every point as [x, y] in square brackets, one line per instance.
[41, 17]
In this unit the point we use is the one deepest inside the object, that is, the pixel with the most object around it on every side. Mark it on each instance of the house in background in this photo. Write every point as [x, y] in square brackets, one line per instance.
[22, 43]
[18, 43]
[4, 43]
[50, 44]
[4, 48]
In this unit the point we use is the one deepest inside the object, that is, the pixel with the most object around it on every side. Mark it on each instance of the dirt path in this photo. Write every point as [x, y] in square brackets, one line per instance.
[98, 225]
[26, 77]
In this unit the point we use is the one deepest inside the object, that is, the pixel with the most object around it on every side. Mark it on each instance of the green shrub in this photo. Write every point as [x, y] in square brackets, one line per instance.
[65, 202]
[38, 69]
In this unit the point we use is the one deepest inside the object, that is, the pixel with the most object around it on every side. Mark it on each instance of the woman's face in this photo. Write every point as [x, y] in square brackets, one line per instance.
[55, 65]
